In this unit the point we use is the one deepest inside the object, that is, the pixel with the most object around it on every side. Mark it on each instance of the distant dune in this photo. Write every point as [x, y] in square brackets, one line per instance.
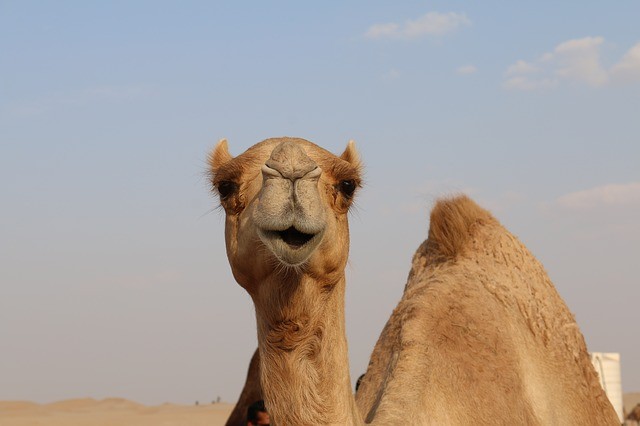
[110, 412]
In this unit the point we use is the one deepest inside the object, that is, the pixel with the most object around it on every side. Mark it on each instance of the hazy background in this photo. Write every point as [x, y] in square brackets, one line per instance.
[113, 275]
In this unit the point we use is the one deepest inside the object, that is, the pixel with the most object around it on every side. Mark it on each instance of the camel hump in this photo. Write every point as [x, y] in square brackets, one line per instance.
[453, 222]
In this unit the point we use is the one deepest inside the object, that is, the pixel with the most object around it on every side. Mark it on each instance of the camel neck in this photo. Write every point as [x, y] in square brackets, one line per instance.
[303, 352]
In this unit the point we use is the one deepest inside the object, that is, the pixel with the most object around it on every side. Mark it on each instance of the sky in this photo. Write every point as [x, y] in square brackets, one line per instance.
[113, 274]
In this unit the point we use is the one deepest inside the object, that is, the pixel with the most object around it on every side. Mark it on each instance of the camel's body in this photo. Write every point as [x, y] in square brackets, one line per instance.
[251, 392]
[634, 415]
[479, 337]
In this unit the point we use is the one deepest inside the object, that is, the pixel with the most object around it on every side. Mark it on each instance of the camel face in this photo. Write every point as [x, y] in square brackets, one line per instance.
[286, 202]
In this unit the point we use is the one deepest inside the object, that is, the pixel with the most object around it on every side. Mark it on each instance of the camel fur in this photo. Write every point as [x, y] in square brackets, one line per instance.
[480, 336]
[251, 392]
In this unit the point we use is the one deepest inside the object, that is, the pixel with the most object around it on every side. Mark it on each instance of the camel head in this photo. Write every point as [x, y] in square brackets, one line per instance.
[286, 202]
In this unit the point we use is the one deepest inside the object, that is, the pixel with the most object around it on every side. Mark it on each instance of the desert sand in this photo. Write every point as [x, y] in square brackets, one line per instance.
[110, 412]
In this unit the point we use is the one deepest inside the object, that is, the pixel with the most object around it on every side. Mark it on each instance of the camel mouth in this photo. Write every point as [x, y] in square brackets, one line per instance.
[294, 238]
[291, 246]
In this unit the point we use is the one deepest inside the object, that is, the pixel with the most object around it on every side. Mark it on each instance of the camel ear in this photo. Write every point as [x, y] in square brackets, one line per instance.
[220, 155]
[350, 154]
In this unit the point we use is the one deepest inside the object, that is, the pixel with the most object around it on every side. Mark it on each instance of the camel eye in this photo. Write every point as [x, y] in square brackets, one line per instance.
[226, 188]
[347, 187]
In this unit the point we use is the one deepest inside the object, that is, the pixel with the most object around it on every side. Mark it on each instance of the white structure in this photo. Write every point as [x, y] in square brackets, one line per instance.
[607, 366]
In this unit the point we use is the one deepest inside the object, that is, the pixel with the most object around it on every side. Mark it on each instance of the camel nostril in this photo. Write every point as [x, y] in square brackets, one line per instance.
[314, 173]
[270, 171]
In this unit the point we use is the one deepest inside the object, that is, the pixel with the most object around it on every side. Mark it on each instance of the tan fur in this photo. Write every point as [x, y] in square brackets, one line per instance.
[251, 392]
[634, 415]
[351, 156]
[299, 308]
[480, 336]
[220, 155]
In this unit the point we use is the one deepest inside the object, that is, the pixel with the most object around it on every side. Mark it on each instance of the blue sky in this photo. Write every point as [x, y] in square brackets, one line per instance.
[112, 268]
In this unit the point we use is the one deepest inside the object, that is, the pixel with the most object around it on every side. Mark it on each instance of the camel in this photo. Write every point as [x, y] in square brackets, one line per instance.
[480, 335]
[634, 415]
[251, 392]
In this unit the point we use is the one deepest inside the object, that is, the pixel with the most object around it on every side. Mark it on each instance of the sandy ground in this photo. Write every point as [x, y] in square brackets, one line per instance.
[110, 412]
[121, 412]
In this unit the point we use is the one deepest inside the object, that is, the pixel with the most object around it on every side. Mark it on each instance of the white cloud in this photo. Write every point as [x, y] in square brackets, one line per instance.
[466, 70]
[521, 67]
[431, 24]
[628, 69]
[614, 195]
[579, 44]
[382, 31]
[579, 60]
[572, 61]
[601, 212]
